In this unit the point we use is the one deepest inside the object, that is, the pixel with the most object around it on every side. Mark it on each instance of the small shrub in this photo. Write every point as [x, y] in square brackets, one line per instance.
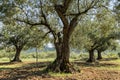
[112, 55]
[50, 55]
[119, 54]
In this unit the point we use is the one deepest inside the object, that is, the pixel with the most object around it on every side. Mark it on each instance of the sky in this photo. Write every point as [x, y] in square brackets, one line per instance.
[111, 4]
[50, 45]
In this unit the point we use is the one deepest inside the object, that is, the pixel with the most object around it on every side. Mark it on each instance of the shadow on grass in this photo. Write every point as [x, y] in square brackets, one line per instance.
[109, 59]
[97, 64]
[26, 71]
[30, 70]
[102, 63]
[5, 63]
[104, 59]
[5, 68]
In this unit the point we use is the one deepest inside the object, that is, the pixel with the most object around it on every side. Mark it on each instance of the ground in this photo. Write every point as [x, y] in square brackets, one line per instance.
[107, 69]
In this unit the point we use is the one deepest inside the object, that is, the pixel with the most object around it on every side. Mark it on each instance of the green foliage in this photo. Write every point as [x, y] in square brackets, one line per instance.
[112, 55]
[94, 31]
[119, 54]
[21, 35]
[6, 54]
[74, 56]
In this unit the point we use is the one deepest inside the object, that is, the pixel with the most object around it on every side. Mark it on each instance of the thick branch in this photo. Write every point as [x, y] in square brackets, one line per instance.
[66, 5]
[46, 22]
[61, 10]
[31, 23]
[41, 23]
[61, 15]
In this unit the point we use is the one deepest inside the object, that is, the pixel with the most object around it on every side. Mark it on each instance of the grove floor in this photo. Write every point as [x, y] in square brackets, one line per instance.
[107, 69]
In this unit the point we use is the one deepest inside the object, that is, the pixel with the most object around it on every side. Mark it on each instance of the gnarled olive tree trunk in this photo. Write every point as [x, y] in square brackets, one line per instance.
[91, 56]
[99, 57]
[62, 63]
[17, 55]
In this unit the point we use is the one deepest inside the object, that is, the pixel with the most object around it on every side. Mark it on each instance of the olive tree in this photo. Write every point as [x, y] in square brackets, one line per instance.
[19, 35]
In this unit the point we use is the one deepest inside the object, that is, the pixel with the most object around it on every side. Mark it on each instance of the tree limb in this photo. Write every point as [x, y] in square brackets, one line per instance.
[46, 34]
[73, 22]
[66, 5]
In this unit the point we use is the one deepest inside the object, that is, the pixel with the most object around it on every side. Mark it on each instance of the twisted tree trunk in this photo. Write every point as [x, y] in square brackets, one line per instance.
[17, 55]
[62, 63]
[99, 55]
[91, 56]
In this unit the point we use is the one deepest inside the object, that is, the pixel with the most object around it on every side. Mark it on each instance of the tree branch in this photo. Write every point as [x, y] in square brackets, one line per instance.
[46, 22]
[62, 17]
[73, 22]
[61, 10]
[46, 34]
[66, 5]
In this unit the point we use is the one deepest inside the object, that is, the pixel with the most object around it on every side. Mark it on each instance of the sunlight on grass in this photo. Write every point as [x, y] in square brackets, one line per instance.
[39, 60]
[6, 65]
[59, 74]
[115, 66]
[4, 60]
[10, 66]
[116, 61]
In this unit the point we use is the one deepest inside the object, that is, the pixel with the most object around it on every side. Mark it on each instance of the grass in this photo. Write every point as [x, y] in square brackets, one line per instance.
[40, 60]
[110, 65]
[4, 60]
[28, 67]
[10, 66]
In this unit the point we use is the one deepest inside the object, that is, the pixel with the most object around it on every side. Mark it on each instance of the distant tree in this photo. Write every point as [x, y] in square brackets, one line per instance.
[109, 45]
[18, 35]
[100, 28]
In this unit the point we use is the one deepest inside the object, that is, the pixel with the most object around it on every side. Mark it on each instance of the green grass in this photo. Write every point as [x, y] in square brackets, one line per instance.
[111, 65]
[4, 60]
[39, 60]
[10, 66]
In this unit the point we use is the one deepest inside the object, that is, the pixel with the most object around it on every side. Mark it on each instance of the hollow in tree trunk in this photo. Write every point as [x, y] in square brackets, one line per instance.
[99, 55]
[17, 55]
[61, 63]
[91, 56]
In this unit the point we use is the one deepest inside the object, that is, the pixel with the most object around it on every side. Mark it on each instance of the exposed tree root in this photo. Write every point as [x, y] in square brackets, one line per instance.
[58, 66]
[12, 61]
[91, 60]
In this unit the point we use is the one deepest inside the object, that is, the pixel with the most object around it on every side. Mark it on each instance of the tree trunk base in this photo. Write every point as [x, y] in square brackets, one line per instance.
[15, 60]
[99, 58]
[58, 66]
[90, 60]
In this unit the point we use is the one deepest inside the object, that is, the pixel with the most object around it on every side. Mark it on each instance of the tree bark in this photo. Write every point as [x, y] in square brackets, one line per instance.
[99, 55]
[91, 56]
[62, 63]
[17, 55]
